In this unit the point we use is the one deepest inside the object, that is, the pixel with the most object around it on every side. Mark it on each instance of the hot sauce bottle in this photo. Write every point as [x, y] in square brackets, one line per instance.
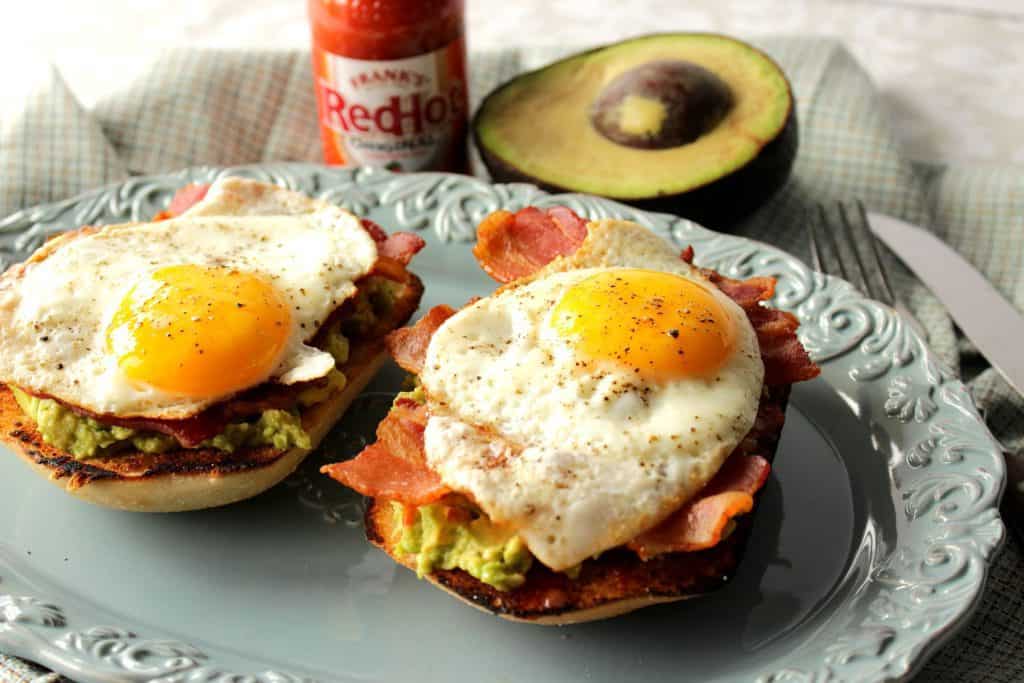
[390, 78]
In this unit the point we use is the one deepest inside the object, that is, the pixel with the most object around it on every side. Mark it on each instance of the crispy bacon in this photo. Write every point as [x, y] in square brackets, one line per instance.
[378, 233]
[746, 473]
[513, 245]
[187, 197]
[696, 526]
[394, 467]
[401, 432]
[399, 246]
[183, 200]
[377, 473]
[408, 346]
[785, 358]
[701, 523]
[192, 431]
[747, 293]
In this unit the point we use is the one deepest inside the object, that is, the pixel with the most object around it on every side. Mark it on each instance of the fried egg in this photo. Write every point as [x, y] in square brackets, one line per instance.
[164, 319]
[587, 404]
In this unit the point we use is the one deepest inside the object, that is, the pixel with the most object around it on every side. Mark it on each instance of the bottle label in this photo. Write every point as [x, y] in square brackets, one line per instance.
[404, 114]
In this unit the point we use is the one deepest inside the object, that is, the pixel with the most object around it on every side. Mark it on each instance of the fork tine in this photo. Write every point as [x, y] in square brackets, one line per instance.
[812, 236]
[875, 253]
[886, 294]
[832, 244]
[851, 240]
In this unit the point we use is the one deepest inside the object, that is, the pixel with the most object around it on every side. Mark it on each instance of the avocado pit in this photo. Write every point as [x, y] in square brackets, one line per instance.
[661, 104]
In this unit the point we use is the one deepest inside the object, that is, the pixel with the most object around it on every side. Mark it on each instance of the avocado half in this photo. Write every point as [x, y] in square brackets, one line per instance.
[701, 125]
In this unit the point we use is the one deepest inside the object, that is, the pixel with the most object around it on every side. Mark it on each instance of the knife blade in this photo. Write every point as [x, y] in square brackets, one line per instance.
[984, 316]
[991, 322]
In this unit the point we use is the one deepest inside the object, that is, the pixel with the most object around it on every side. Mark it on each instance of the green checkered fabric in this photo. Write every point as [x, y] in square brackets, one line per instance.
[229, 107]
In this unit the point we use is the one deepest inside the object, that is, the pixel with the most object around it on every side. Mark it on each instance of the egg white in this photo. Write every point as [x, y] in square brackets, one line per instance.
[578, 460]
[55, 310]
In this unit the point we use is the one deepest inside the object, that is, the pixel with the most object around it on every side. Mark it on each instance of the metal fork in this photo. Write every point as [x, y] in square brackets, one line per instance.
[856, 264]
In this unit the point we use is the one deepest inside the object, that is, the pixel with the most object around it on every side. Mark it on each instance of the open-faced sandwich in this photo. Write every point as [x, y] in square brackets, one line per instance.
[590, 438]
[195, 360]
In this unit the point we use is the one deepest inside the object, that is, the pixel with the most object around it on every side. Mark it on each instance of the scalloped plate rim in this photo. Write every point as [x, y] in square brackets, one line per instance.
[916, 656]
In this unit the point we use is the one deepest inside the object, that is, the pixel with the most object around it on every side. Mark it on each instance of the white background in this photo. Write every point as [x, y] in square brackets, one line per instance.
[951, 71]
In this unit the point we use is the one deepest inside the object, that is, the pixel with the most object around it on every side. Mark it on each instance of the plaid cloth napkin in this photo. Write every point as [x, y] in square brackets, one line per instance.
[224, 108]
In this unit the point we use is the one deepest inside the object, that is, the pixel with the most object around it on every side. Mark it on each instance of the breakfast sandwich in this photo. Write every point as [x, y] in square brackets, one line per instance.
[591, 438]
[195, 360]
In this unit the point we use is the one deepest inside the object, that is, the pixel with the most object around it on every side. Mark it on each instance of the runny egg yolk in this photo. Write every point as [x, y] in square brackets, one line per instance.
[200, 331]
[657, 325]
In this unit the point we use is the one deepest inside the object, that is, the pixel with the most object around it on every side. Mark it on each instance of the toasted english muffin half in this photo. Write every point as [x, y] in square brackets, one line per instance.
[195, 478]
[186, 479]
[615, 583]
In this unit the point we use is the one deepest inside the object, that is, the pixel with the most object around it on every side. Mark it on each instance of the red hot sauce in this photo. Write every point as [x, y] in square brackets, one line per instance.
[390, 78]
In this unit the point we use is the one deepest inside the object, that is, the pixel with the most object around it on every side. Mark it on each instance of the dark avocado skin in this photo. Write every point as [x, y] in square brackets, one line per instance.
[721, 204]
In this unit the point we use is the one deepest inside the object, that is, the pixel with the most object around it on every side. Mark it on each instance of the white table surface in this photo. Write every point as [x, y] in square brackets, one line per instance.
[950, 71]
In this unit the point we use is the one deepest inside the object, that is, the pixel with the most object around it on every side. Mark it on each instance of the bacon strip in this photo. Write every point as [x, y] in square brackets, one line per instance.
[378, 233]
[394, 467]
[510, 246]
[183, 200]
[402, 246]
[401, 432]
[697, 526]
[187, 197]
[701, 523]
[377, 473]
[785, 358]
[192, 431]
[744, 473]
[408, 345]
[399, 246]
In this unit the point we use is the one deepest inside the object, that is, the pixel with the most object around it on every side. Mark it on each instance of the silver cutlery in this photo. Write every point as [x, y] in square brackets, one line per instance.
[843, 244]
[991, 322]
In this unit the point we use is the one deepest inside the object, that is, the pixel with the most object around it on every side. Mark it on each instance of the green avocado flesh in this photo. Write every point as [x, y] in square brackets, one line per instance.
[654, 117]
[84, 437]
[459, 536]
[487, 552]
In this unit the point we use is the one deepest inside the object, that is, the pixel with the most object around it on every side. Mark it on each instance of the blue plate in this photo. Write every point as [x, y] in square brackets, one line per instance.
[870, 546]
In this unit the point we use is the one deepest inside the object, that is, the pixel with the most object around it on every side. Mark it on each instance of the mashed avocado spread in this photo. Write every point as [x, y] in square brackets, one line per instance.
[83, 437]
[442, 540]
[443, 537]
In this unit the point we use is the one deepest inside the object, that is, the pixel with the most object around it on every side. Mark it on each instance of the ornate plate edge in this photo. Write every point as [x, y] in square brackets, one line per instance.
[949, 479]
